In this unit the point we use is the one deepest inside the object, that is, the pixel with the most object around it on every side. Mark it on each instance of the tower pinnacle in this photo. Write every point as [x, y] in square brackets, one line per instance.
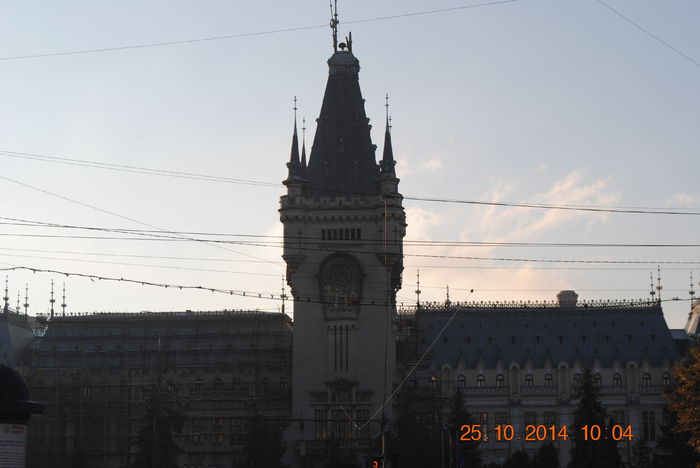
[294, 165]
[63, 304]
[52, 300]
[26, 299]
[6, 308]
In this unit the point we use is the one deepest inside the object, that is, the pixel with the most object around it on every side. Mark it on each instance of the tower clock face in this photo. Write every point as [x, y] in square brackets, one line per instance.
[341, 279]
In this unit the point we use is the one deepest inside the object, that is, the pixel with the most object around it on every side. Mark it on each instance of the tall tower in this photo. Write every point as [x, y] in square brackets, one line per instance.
[344, 225]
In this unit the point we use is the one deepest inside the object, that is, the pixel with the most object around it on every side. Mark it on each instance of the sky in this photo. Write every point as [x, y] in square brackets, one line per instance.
[528, 101]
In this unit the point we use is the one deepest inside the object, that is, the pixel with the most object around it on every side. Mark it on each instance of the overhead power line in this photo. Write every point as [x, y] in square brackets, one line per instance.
[220, 179]
[650, 34]
[278, 238]
[242, 35]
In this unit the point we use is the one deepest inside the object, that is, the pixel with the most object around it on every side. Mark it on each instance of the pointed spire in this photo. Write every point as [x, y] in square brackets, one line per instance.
[294, 165]
[26, 299]
[388, 163]
[18, 303]
[652, 293]
[658, 282]
[418, 291]
[447, 299]
[692, 291]
[303, 144]
[52, 300]
[6, 308]
[63, 304]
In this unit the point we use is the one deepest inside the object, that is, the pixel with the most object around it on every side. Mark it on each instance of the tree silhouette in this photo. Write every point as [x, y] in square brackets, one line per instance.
[462, 453]
[600, 453]
[685, 397]
[155, 445]
[672, 448]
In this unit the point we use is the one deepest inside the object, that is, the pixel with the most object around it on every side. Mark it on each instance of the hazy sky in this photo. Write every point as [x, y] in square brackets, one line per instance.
[526, 101]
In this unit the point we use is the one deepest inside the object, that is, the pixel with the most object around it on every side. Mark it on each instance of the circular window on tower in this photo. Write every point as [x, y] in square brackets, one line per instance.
[341, 280]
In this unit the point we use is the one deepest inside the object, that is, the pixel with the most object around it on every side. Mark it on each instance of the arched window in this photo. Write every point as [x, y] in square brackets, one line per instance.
[646, 379]
[499, 380]
[617, 380]
[461, 382]
[529, 380]
[480, 381]
[548, 380]
[236, 384]
[597, 380]
[283, 383]
[265, 384]
[218, 384]
[666, 379]
[577, 380]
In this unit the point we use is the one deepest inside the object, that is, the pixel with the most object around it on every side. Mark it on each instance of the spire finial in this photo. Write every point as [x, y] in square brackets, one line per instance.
[18, 303]
[658, 282]
[652, 293]
[295, 111]
[26, 298]
[63, 304]
[284, 294]
[6, 298]
[692, 291]
[334, 23]
[52, 300]
[418, 291]
[447, 299]
[386, 105]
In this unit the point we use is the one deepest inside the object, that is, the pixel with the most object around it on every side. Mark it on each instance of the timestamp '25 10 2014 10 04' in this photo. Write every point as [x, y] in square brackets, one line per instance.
[536, 433]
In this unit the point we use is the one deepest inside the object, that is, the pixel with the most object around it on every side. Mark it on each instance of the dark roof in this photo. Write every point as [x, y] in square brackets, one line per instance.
[562, 334]
[342, 157]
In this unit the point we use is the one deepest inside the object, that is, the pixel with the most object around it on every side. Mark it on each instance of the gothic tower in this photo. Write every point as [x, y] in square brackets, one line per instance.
[344, 225]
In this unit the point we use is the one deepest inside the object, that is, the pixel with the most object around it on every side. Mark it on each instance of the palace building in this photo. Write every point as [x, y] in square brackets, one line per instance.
[330, 380]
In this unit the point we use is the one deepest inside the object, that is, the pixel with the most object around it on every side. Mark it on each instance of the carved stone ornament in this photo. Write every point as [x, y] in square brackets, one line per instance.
[341, 279]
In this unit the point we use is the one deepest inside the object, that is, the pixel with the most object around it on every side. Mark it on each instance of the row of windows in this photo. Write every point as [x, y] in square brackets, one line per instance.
[341, 425]
[341, 234]
[549, 380]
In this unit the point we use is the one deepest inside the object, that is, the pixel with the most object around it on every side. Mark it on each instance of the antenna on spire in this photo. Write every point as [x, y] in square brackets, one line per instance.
[26, 298]
[63, 304]
[52, 300]
[658, 282]
[334, 23]
[418, 291]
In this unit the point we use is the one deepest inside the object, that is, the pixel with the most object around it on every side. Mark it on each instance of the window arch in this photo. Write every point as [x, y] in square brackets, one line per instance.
[577, 380]
[499, 380]
[529, 380]
[597, 380]
[617, 380]
[481, 381]
[461, 382]
[666, 378]
[548, 380]
[646, 378]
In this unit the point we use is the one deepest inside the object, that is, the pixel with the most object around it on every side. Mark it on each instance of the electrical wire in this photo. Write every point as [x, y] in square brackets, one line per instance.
[242, 35]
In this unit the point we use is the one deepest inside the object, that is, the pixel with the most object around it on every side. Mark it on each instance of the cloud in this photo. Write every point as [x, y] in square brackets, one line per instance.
[410, 166]
[500, 224]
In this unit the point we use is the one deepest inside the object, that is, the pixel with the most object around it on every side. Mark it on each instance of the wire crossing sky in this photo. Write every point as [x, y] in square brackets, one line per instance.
[560, 133]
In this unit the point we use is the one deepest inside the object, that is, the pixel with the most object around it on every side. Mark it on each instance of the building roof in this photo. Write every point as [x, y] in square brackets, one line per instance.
[342, 158]
[515, 334]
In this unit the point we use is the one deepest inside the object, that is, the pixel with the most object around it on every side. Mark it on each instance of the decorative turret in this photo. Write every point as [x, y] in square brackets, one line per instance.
[386, 168]
[294, 178]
